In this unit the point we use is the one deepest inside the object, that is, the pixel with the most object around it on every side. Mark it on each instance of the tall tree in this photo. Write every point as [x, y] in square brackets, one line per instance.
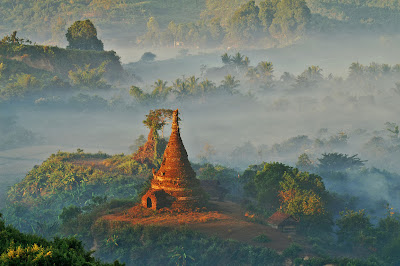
[245, 25]
[356, 71]
[153, 32]
[230, 83]
[161, 89]
[82, 35]
[339, 162]
[157, 119]
[266, 70]
[290, 20]
[226, 59]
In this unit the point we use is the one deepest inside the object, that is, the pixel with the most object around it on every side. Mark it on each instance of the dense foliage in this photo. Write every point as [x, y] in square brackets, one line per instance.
[82, 35]
[49, 20]
[177, 247]
[17, 248]
[67, 179]
[301, 194]
[200, 22]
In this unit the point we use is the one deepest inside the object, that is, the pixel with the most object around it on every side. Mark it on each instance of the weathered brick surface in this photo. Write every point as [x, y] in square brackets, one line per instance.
[175, 177]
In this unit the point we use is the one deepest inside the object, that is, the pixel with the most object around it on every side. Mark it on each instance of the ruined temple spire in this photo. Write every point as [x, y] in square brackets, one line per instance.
[175, 183]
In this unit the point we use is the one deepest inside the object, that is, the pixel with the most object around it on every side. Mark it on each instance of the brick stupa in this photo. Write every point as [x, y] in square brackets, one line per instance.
[175, 184]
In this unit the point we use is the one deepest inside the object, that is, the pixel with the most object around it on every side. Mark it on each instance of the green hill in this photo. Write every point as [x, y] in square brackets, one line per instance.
[45, 20]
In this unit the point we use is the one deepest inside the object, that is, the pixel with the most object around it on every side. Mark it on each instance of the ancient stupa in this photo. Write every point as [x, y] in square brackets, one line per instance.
[175, 184]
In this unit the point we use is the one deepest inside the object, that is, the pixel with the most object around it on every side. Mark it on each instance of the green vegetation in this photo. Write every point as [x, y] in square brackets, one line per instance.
[173, 246]
[244, 23]
[301, 194]
[12, 135]
[200, 22]
[49, 20]
[339, 162]
[66, 179]
[282, 21]
[82, 35]
[17, 248]
[262, 238]
[89, 78]
[51, 58]
[68, 192]
[41, 72]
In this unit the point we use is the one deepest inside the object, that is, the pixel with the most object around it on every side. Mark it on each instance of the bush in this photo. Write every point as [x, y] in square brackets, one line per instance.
[148, 57]
[262, 239]
[292, 251]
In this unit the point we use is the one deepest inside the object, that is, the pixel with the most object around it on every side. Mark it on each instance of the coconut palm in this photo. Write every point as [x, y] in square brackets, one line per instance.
[230, 83]
[266, 69]
[192, 84]
[226, 59]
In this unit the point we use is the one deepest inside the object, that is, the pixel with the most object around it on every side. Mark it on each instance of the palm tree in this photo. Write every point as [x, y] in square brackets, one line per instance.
[356, 71]
[192, 83]
[237, 60]
[159, 86]
[375, 70]
[312, 73]
[226, 59]
[161, 90]
[252, 74]
[266, 69]
[287, 77]
[182, 90]
[229, 83]
[206, 86]
[177, 83]
[386, 69]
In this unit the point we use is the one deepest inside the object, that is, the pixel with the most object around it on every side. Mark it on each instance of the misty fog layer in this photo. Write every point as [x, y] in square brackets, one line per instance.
[257, 124]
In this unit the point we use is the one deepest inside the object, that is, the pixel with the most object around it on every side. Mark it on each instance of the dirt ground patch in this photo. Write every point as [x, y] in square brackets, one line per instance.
[227, 220]
[98, 164]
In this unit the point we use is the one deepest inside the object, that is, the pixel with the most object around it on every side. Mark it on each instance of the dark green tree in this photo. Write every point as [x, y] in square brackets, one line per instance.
[310, 77]
[265, 184]
[148, 57]
[339, 162]
[355, 228]
[267, 13]
[290, 20]
[245, 24]
[226, 59]
[82, 35]
[304, 163]
[229, 83]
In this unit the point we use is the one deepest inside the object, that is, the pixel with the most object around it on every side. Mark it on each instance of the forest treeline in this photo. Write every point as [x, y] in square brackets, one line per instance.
[199, 22]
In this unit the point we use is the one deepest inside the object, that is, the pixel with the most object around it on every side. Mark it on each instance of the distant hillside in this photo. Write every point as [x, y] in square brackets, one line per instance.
[126, 20]
[339, 14]
[382, 15]
[59, 61]
[44, 20]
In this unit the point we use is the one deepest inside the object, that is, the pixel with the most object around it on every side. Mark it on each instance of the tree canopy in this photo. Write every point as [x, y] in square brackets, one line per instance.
[82, 35]
[339, 162]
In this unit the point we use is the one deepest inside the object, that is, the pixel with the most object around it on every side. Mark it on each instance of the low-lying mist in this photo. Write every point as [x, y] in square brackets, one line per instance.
[277, 120]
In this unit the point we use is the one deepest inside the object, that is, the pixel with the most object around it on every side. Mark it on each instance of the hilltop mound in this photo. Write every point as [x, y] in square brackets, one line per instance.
[226, 220]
